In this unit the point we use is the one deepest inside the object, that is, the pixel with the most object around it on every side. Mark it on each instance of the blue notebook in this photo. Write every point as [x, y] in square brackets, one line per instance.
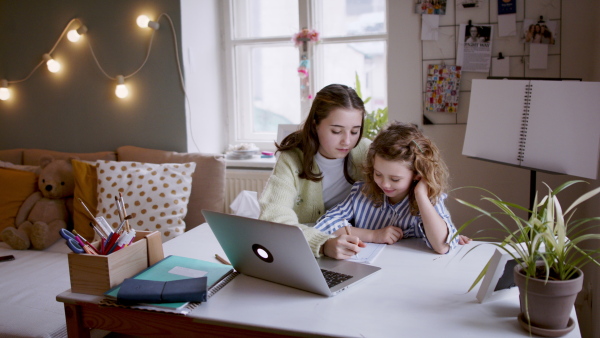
[173, 268]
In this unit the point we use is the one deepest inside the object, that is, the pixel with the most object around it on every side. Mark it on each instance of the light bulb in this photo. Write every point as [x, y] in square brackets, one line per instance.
[52, 64]
[143, 21]
[121, 90]
[4, 92]
[75, 34]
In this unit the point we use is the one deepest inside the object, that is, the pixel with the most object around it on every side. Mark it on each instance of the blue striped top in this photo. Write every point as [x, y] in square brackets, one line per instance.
[358, 209]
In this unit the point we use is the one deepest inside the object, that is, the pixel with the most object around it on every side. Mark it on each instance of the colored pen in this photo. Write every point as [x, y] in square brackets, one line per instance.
[114, 243]
[85, 242]
[110, 243]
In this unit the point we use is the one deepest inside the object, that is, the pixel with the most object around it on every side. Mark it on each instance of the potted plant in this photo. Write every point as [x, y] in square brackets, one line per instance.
[374, 120]
[546, 248]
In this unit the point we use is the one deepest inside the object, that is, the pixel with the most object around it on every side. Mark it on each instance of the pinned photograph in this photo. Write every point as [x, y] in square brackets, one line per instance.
[541, 31]
[431, 7]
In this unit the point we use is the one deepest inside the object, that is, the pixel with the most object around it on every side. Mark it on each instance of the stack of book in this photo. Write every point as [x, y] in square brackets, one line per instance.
[195, 281]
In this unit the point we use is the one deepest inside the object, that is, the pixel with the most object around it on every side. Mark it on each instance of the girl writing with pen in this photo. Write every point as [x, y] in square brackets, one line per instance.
[316, 168]
[402, 194]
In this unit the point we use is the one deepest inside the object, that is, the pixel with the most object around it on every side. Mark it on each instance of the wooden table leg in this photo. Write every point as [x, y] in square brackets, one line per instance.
[74, 319]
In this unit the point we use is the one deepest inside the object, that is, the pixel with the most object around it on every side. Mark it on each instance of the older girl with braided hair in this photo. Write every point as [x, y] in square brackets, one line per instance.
[402, 195]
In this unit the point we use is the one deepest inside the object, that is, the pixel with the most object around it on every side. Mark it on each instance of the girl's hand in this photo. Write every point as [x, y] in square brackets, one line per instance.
[421, 186]
[462, 240]
[388, 235]
[343, 246]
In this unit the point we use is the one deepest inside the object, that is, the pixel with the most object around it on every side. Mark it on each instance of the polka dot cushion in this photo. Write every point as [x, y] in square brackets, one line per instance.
[155, 195]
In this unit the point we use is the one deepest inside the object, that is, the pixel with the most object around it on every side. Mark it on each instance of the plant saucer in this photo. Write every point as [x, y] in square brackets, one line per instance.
[546, 332]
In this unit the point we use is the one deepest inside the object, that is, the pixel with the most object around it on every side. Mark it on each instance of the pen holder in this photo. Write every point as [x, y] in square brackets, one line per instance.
[96, 274]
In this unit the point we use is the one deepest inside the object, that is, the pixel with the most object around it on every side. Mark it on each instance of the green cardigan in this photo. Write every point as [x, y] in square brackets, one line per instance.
[291, 200]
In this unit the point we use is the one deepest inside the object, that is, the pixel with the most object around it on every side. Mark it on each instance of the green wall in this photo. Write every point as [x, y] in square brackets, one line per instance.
[76, 110]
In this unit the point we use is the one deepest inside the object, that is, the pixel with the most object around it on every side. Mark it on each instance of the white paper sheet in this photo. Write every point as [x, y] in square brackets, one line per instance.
[507, 25]
[430, 27]
[369, 254]
[501, 67]
[538, 56]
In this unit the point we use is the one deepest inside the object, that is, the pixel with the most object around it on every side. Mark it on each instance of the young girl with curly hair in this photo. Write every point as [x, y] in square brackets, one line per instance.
[402, 195]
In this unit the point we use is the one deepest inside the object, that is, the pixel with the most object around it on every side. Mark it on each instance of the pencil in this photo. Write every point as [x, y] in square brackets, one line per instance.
[222, 260]
[347, 227]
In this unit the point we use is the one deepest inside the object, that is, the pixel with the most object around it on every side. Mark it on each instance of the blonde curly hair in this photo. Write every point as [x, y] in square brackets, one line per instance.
[406, 143]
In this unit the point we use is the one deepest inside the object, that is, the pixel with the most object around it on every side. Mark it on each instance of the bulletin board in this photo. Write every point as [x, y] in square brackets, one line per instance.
[444, 50]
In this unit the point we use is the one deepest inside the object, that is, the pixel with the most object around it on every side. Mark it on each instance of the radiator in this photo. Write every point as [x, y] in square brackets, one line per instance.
[237, 180]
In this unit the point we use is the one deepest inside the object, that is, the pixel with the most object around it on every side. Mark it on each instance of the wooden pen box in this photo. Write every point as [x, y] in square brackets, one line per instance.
[96, 274]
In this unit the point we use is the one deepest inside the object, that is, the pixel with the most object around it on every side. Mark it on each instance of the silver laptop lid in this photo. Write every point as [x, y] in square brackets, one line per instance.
[278, 253]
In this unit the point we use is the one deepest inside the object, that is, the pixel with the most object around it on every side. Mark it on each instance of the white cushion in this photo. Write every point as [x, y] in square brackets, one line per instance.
[155, 195]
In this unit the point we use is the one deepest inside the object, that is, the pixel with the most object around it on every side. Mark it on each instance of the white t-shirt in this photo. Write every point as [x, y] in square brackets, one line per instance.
[335, 186]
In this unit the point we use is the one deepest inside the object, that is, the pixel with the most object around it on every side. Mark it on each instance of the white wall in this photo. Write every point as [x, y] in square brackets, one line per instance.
[579, 58]
[203, 55]
[580, 55]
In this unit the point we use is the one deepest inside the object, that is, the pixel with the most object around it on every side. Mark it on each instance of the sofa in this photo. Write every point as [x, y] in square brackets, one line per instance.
[29, 283]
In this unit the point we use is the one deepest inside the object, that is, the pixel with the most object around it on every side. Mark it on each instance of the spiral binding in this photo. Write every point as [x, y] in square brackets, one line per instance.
[181, 311]
[221, 283]
[524, 123]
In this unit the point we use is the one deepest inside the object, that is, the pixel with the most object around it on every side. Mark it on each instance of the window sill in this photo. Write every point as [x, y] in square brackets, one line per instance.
[256, 162]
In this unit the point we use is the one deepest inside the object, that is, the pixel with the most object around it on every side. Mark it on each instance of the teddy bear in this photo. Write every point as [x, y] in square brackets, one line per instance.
[46, 211]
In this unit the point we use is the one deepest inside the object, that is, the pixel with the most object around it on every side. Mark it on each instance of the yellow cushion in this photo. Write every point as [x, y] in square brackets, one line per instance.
[86, 181]
[15, 187]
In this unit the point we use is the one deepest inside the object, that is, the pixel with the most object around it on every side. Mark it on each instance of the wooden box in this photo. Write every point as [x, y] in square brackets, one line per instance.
[96, 274]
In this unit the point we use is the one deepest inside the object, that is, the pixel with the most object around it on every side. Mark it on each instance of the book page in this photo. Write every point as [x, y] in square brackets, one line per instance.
[564, 128]
[494, 122]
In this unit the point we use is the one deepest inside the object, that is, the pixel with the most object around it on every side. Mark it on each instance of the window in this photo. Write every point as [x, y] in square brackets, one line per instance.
[263, 86]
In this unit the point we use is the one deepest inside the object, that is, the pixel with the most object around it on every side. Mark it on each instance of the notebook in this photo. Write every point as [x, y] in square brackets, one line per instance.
[177, 268]
[279, 253]
[542, 125]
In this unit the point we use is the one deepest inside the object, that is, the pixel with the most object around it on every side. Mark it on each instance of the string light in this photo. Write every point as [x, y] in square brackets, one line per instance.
[4, 92]
[144, 22]
[75, 34]
[121, 90]
[53, 65]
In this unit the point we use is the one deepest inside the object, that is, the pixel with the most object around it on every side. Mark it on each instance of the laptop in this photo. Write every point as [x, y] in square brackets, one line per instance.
[279, 253]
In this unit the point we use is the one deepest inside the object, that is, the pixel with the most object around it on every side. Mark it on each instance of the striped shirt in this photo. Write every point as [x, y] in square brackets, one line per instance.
[358, 208]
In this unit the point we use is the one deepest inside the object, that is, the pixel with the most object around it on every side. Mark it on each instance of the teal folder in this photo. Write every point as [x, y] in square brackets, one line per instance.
[176, 268]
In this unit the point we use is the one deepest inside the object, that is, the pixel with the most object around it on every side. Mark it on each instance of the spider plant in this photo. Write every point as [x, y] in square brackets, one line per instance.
[549, 235]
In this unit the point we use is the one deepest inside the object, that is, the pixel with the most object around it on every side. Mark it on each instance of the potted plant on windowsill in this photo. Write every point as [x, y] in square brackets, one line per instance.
[375, 120]
[546, 248]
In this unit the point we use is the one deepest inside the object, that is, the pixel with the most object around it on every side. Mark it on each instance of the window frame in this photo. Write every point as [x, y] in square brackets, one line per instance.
[234, 85]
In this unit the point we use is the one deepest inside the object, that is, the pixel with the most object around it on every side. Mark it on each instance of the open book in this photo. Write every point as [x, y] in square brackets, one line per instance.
[551, 126]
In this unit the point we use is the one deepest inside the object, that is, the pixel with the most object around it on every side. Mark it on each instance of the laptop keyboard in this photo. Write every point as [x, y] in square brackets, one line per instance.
[334, 278]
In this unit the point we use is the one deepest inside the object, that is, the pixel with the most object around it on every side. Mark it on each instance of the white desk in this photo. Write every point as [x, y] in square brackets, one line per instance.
[417, 293]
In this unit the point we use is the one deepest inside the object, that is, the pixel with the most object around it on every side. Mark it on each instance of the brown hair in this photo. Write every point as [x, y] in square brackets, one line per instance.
[306, 139]
[406, 143]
